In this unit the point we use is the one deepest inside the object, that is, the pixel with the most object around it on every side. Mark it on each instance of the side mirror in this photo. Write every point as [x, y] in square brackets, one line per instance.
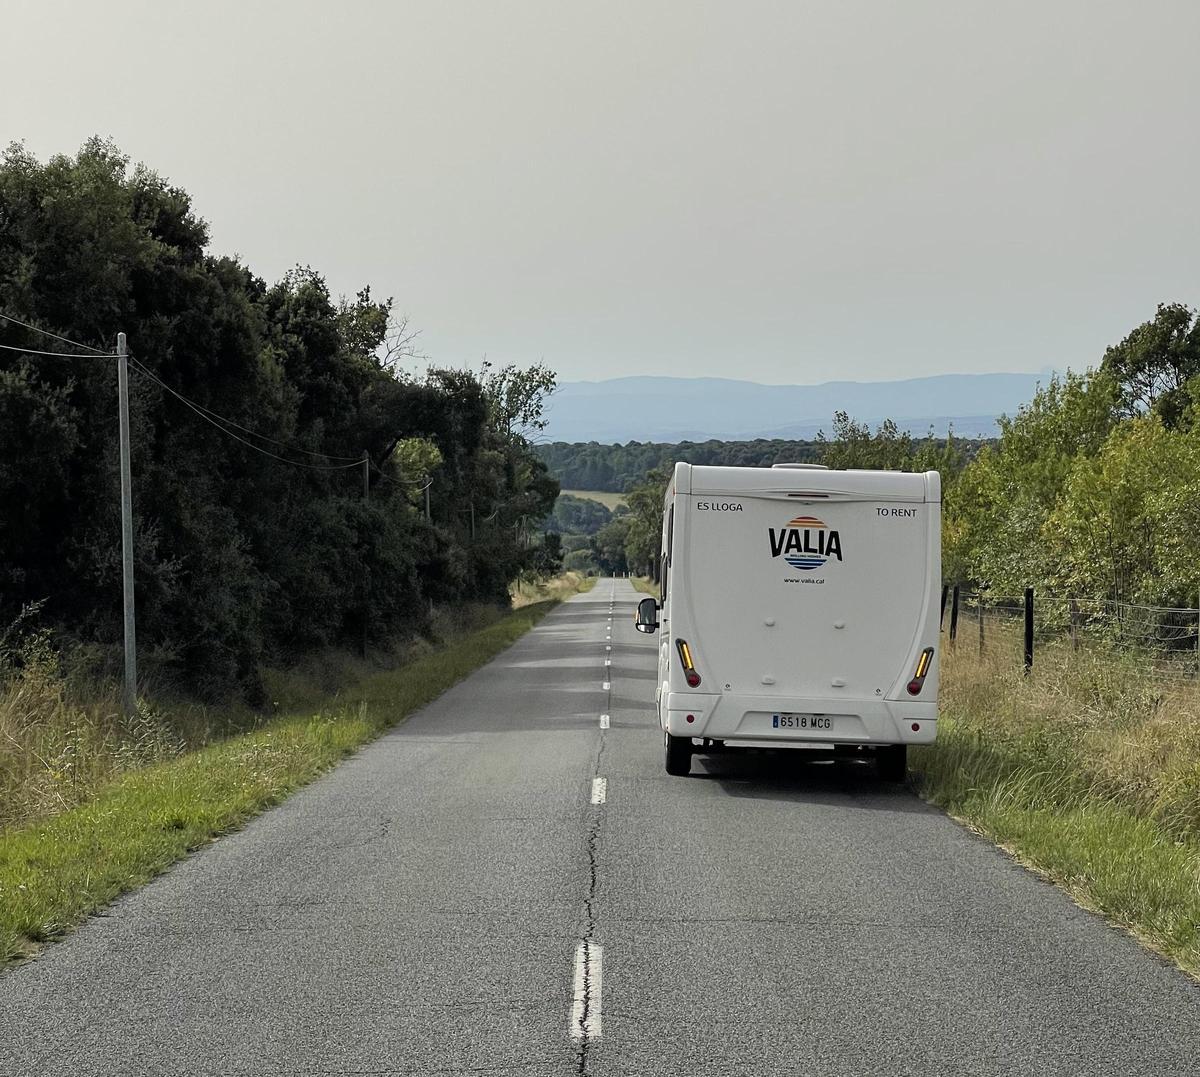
[647, 616]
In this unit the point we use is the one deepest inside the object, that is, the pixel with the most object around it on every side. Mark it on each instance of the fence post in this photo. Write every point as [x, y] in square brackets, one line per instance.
[1074, 625]
[954, 615]
[979, 615]
[1028, 629]
[942, 615]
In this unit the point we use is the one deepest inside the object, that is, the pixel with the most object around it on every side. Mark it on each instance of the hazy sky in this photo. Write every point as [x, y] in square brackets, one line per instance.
[788, 192]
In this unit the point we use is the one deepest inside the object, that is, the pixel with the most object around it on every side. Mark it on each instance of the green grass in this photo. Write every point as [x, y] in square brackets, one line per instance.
[55, 872]
[608, 500]
[1088, 771]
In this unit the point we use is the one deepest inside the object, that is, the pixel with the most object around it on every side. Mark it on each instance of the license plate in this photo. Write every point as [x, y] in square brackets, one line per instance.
[801, 721]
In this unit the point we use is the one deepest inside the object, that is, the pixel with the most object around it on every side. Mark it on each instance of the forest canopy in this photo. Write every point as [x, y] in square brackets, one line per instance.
[251, 408]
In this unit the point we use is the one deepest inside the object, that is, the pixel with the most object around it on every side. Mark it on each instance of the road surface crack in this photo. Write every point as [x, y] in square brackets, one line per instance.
[588, 947]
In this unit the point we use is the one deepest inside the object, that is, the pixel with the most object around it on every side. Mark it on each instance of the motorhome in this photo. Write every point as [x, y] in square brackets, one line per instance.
[799, 609]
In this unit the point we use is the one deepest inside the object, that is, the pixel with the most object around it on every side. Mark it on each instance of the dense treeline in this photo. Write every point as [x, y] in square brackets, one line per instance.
[241, 555]
[617, 468]
[1091, 491]
[576, 516]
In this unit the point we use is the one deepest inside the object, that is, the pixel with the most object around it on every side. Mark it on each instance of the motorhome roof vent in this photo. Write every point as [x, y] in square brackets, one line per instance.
[803, 467]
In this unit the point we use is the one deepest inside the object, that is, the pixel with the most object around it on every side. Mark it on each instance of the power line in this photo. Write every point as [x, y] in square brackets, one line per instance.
[245, 429]
[200, 409]
[57, 355]
[390, 478]
[403, 482]
[218, 420]
[47, 333]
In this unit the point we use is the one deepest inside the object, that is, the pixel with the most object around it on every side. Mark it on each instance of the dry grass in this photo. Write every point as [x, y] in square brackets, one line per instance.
[556, 590]
[1088, 768]
[133, 816]
[1097, 715]
[646, 585]
[63, 737]
[62, 734]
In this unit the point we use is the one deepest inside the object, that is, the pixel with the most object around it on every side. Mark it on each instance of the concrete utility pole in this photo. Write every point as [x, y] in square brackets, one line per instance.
[366, 612]
[129, 697]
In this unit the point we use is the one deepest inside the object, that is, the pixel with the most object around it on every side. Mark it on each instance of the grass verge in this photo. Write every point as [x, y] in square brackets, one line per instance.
[58, 871]
[1088, 771]
[556, 589]
[646, 585]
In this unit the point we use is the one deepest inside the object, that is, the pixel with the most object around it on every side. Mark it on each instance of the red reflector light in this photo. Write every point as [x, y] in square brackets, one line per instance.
[916, 727]
[691, 717]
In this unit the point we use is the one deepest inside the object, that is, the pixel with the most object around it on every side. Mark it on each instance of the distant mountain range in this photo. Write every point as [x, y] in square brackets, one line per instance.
[697, 409]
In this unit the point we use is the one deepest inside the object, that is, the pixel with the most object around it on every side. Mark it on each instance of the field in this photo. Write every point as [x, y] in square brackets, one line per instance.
[609, 500]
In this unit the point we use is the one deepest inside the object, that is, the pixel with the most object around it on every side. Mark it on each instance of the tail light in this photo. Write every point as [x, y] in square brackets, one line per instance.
[923, 663]
[689, 667]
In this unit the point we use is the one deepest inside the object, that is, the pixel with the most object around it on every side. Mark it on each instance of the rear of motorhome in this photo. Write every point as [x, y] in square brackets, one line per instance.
[799, 608]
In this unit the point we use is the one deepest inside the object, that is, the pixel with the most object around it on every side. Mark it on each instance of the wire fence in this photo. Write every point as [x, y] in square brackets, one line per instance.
[1165, 640]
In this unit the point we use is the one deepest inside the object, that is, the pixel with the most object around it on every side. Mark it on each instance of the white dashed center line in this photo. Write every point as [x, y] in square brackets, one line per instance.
[604, 721]
[585, 1008]
[599, 790]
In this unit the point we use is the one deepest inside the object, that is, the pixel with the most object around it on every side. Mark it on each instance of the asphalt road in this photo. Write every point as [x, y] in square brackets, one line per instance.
[509, 883]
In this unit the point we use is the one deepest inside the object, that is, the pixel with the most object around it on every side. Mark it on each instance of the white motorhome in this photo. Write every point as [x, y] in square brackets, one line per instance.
[800, 608]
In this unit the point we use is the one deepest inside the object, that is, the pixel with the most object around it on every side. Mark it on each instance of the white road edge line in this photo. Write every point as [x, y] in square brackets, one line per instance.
[604, 721]
[599, 790]
[585, 1008]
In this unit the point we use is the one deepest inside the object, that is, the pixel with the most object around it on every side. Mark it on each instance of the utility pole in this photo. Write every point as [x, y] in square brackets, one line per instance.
[366, 585]
[427, 485]
[129, 696]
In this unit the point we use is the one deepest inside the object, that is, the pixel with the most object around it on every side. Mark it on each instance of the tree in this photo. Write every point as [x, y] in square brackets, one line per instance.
[608, 546]
[1153, 365]
[576, 516]
[995, 510]
[853, 445]
[253, 538]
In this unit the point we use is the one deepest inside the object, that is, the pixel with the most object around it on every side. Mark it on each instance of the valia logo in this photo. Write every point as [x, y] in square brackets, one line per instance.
[806, 543]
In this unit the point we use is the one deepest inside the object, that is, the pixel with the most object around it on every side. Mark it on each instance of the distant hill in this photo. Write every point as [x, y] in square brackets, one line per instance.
[697, 409]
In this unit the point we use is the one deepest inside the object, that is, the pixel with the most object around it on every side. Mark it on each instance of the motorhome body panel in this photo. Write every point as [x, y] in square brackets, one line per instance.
[805, 598]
